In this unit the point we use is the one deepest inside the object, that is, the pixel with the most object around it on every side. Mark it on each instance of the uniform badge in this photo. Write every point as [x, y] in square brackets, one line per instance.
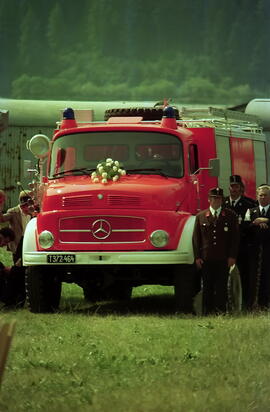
[226, 229]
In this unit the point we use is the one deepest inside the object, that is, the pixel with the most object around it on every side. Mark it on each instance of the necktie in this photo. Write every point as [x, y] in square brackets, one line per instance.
[263, 212]
[233, 202]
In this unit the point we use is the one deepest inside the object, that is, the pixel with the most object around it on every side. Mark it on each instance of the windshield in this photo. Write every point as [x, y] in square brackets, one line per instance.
[137, 152]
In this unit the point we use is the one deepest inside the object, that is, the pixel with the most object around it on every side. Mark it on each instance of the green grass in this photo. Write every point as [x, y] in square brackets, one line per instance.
[136, 357]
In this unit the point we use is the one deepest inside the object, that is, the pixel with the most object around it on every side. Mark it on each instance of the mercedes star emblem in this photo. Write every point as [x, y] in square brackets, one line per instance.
[101, 229]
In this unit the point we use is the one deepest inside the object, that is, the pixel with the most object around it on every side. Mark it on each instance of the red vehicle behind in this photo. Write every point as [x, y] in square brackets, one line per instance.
[108, 234]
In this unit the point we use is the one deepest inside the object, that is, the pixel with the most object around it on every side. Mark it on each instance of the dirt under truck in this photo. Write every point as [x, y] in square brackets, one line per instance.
[109, 234]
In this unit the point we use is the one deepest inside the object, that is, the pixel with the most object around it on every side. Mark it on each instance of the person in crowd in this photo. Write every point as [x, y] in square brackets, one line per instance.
[215, 244]
[257, 220]
[12, 279]
[239, 203]
[18, 217]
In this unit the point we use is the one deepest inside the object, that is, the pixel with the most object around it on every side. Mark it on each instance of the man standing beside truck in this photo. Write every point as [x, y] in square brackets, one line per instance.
[240, 203]
[258, 229]
[215, 243]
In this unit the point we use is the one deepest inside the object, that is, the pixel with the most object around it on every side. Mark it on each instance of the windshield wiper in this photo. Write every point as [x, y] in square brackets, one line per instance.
[81, 170]
[156, 171]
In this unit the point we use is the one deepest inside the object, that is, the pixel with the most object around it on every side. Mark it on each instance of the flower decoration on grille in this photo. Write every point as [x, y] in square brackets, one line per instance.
[108, 170]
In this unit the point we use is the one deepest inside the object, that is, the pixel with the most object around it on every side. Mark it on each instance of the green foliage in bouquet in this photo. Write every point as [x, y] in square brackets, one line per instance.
[107, 170]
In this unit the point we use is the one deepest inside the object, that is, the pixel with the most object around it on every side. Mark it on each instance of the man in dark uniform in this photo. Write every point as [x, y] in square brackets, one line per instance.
[240, 203]
[237, 201]
[258, 229]
[12, 283]
[215, 243]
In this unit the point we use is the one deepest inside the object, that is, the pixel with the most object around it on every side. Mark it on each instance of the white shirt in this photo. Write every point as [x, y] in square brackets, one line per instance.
[264, 207]
[235, 201]
[247, 216]
[213, 211]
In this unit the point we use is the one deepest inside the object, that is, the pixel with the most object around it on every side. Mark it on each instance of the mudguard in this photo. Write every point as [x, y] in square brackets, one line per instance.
[29, 239]
[185, 246]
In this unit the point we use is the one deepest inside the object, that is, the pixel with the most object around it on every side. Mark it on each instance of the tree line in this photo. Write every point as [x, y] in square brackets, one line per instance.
[190, 50]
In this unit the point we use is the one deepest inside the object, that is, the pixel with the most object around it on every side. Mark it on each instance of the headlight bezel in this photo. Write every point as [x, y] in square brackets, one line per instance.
[46, 239]
[159, 238]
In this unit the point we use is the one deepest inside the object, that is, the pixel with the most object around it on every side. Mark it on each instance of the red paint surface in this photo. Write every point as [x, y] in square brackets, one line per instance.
[243, 163]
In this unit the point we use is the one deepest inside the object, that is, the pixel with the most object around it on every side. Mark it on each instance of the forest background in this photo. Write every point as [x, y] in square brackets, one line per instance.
[194, 51]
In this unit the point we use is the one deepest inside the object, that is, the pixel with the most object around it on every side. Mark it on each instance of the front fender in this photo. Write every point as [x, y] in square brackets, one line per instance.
[29, 238]
[185, 246]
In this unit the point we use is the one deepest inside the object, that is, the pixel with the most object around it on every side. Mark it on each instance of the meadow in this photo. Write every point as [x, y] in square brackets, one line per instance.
[135, 357]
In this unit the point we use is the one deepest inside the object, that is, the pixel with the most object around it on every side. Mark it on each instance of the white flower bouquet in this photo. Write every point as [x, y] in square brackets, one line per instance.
[108, 169]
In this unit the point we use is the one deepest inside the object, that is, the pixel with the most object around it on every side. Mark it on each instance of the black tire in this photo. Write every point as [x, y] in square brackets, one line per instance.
[43, 290]
[234, 291]
[147, 113]
[185, 288]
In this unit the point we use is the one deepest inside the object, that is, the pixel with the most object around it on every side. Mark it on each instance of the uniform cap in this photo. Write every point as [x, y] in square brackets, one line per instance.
[216, 191]
[235, 180]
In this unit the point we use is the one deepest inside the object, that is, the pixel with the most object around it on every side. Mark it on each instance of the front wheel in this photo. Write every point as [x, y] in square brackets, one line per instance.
[43, 290]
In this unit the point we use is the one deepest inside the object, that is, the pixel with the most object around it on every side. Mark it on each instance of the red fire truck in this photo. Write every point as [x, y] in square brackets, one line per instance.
[117, 199]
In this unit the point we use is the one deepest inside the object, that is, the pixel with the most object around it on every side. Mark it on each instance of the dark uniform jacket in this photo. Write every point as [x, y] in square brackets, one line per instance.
[256, 235]
[216, 239]
[241, 207]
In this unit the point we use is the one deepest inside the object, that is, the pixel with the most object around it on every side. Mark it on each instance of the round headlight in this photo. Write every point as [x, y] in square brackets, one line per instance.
[39, 145]
[46, 239]
[159, 238]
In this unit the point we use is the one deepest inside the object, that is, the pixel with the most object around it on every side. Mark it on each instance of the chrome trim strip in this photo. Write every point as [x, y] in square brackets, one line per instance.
[101, 216]
[113, 230]
[101, 243]
[75, 230]
[128, 230]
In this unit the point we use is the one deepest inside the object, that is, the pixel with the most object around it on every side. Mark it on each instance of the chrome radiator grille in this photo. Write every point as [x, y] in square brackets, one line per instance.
[102, 229]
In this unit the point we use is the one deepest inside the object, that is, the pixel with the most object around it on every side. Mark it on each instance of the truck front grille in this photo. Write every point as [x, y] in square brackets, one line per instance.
[77, 201]
[116, 200]
[102, 229]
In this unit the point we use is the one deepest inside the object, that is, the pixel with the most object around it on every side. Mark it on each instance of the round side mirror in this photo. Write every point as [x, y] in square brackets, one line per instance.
[39, 145]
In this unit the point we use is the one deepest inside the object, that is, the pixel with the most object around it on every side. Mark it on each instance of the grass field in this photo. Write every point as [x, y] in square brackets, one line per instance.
[140, 356]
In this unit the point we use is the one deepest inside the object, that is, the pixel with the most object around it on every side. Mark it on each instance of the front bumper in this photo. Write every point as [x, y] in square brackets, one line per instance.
[112, 258]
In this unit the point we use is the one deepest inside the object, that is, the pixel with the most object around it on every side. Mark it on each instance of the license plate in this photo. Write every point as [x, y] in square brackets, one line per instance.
[61, 258]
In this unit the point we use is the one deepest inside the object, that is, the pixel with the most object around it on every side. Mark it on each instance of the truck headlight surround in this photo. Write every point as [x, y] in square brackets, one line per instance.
[46, 239]
[159, 238]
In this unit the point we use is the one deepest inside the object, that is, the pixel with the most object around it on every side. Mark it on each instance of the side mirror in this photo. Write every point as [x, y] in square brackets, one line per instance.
[214, 167]
[39, 145]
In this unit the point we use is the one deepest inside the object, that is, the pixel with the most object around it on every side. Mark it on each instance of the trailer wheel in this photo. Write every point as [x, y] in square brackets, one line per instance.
[234, 291]
[43, 290]
[147, 113]
[185, 287]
